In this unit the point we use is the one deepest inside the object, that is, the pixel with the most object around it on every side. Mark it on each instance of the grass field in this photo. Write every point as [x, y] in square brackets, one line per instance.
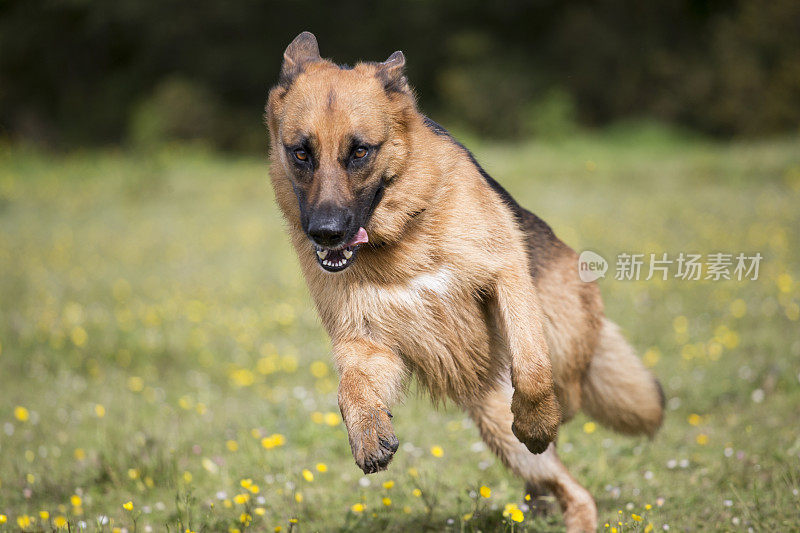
[158, 347]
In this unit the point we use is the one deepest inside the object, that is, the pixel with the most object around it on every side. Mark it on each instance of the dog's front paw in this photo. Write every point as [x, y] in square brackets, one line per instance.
[535, 422]
[373, 442]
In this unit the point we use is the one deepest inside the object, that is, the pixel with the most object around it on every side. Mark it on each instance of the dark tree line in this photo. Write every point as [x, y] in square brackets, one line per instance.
[84, 71]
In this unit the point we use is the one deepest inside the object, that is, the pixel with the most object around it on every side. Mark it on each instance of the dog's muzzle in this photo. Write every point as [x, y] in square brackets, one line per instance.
[337, 259]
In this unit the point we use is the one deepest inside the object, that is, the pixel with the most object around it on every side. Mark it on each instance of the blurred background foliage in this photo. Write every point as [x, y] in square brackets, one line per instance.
[77, 72]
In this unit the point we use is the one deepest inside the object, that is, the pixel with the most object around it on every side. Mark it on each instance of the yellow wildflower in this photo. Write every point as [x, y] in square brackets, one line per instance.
[702, 439]
[332, 419]
[242, 377]
[416, 492]
[60, 522]
[260, 511]
[44, 515]
[242, 498]
[357, 508]
[245, 519]
[24, 521]
[209, 465]
[485, 491]
[437, 451]
[589, 427]
[508, 508]
[78, 336]
[99, 410]
[386, 501]
[307, 475]
[648, 528]
[80, 454]
[517, 515]
[232, 445]
[3, 519]
[322, 467]
[273, 441]
[75, 500]
[694, 419]
[21, 414]
[636, 517]
[388, 484]
[135, 384]
[319, 369]
[298, 497]
[128, 506]
[245, 483]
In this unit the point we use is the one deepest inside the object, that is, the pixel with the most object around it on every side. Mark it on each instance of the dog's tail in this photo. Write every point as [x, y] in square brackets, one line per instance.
[618, 391]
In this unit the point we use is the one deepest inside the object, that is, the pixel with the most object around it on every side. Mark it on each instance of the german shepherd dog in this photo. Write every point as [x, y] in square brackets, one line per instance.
[420, 264]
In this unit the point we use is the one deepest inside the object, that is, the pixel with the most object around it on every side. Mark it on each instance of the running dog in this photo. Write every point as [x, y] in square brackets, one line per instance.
[420, 264]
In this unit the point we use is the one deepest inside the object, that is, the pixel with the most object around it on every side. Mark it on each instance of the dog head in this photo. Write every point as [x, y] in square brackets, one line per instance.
[337, 140]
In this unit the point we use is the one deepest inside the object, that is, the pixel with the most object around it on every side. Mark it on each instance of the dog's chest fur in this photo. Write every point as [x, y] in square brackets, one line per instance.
[438, 322]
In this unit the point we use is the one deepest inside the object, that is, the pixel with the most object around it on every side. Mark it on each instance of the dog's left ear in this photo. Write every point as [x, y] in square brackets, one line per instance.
[302, 50]
[392, 73]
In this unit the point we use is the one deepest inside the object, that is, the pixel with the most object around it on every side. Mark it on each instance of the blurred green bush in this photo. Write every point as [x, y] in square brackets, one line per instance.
[81, 72]
[176, 110]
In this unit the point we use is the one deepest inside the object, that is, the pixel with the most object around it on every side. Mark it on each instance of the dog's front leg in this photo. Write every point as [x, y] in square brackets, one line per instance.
[533, 404]
[370, 379]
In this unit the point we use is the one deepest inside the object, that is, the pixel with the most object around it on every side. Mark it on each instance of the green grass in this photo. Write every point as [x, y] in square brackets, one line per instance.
[153, 319]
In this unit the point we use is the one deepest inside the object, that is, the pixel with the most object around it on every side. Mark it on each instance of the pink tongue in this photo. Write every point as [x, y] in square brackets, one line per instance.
[360, 238]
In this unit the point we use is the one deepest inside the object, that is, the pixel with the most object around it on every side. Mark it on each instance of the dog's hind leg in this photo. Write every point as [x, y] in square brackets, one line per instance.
[544, 471]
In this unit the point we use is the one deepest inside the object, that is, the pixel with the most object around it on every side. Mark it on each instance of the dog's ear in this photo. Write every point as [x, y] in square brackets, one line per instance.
[302, 50]
[392, 73]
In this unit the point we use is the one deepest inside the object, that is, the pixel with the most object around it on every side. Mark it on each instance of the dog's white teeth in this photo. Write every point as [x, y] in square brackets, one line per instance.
[347, 254]
[322, 254]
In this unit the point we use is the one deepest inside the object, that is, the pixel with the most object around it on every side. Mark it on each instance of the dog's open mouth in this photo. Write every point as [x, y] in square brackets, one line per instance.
[337, 259]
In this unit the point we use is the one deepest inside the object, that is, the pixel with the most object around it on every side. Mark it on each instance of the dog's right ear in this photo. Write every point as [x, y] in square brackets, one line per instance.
[302, 50]
[392, 73]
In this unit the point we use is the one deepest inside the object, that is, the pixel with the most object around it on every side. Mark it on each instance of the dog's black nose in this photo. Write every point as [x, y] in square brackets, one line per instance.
[328, 225]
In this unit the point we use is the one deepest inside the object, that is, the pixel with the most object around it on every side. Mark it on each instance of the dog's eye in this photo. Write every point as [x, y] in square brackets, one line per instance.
[360, 152]
[301, 155]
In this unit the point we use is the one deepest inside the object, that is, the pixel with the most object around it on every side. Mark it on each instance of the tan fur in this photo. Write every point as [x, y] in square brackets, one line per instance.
[618, 390]
[451, 288]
